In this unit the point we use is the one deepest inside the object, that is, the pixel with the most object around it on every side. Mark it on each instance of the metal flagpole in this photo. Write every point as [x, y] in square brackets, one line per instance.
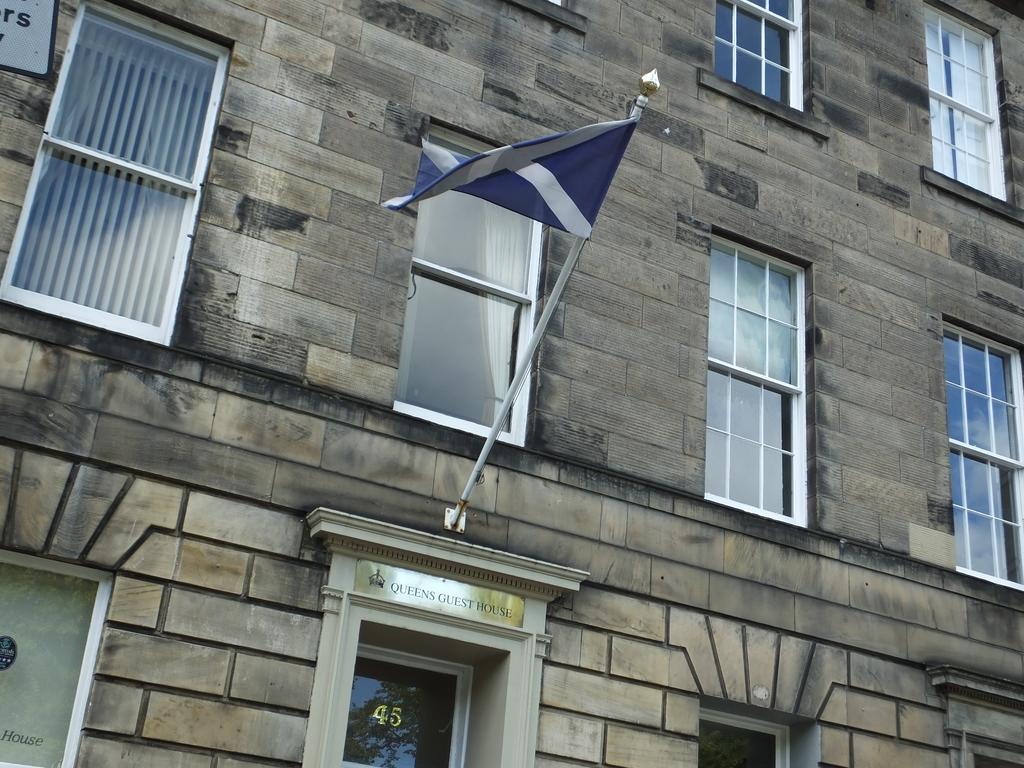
[455, 517]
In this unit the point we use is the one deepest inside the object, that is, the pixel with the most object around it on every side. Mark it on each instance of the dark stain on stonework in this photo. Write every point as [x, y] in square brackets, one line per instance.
[16, 156]
[1001, 303]
[254, 215]
[396, 17]
[729, 184]
[230, 138]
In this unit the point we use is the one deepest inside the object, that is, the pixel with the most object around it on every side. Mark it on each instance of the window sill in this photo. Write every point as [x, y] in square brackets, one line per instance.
[933, 178]
[555, 13]
[782, 112]
[723, 501]
[453, 422]
[992, 579]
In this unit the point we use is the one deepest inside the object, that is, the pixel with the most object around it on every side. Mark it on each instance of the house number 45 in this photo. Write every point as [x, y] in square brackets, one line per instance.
[386, 715]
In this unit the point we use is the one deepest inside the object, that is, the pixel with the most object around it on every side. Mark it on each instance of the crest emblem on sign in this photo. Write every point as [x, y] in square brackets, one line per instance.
[8, 652]
[376, 580]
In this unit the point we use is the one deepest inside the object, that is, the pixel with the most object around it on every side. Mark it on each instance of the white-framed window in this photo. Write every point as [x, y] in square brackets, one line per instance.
[406, 709]
[983, 396]
[470, 308]
[733, 740]
[758, 46]
[112, 203]
[51, 618]
[966, 144]
[755, 386]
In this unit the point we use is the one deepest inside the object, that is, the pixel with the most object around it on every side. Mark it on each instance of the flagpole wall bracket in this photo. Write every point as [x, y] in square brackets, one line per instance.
[455, 517]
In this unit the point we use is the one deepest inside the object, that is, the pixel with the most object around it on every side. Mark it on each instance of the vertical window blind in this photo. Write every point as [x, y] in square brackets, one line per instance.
[117, 177]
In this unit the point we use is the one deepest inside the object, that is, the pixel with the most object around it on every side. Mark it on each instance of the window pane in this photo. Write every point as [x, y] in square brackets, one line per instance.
[776, 83]
[748, 71]
[975, 92]
[476, 238]
[781, 352]
[952, 45]
[780, 296]
[720, 343]
[1006, 443]
[750, 341]
[399, 716]
[780, 7]
[718, 400]
[734, 747]
[973, 57]
[47, 615]
[979, 541]
[977, 173]
[956, 481]
[744, 471]
[777, 493]
[951, 351]
[974, 367]
[745, 409]
[723, 60]
[776, 419]
[716, 466]
[1002, 494]
[955, 413]
[956, 85]
[960, 534]
[935, 70]
[723, 268]
[932, 35]
[723, 21]
[998, 372]
[748, 31]
[750, 277]
[776, 44]
[976, 475]
[978, 425]
[1010, 547]
[456, 351]
[134, 96]
[976, 138]
[100, 237]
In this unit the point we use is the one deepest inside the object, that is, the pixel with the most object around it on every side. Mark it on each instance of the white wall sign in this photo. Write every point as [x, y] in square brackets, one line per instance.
[27, 30]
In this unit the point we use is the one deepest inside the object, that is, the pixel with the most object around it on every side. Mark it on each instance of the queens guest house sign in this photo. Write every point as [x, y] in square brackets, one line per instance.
[423, 590]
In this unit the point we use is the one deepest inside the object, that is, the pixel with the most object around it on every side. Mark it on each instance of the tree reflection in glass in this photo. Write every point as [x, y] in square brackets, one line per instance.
[400, 716]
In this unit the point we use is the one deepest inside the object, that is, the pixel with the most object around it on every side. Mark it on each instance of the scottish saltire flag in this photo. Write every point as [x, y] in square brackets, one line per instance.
[559, 180]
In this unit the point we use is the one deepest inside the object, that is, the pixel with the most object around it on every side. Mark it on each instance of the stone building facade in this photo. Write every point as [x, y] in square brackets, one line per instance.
[221, 463]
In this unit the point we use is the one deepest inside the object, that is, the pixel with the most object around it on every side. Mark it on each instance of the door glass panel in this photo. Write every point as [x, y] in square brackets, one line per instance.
[44, 625]
[733, 747]
[400, 716]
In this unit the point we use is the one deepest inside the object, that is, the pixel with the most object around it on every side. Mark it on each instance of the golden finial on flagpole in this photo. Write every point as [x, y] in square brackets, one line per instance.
[649, 83]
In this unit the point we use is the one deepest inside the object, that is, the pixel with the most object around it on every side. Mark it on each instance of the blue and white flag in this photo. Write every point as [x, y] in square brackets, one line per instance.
[559, 180]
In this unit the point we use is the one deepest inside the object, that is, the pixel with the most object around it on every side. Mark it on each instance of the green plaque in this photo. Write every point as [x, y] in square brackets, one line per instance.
[45, 617]
[401, 585]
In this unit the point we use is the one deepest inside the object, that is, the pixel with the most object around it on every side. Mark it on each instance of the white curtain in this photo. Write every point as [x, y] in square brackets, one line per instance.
[506, 247]
[98, 235]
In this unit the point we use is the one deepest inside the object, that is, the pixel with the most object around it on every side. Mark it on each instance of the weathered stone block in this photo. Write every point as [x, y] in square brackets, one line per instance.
[302, 48]
[163, 661]
[156, 556]
[869, 750]
[221, 620]
[620, 613]
[269, 681]
[380, 459]
[15, 353]
[284, 582]
[113, 708]
[210, 566]
[135, 602]
[246, 525]
[689, 630]
[682, 714]
[229, 727]
[89, 500]
[41, 484]
[601, 696]
[569, 736]
[100, 753]
[146, 504]
[267, 429]
[354, 375]
[631, 748]
[640, 661]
